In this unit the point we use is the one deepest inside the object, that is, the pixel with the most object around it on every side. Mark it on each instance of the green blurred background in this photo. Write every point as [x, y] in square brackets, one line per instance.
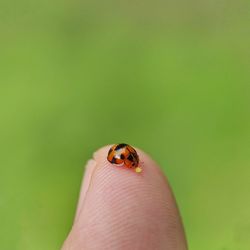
[170, 77]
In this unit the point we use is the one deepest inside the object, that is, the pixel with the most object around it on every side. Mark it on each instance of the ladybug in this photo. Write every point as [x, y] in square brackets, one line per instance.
[124, 154]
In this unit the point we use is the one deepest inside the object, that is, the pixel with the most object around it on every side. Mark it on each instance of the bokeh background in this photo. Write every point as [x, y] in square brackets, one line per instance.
[170, 77]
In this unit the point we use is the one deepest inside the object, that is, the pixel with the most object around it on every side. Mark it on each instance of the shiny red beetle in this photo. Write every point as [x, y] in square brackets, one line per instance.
[124, 154]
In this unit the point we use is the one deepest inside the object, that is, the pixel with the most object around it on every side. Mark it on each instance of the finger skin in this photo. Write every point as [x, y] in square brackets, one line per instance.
[120, 209]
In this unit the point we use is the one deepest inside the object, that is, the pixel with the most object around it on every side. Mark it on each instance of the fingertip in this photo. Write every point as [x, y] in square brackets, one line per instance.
[127, 210]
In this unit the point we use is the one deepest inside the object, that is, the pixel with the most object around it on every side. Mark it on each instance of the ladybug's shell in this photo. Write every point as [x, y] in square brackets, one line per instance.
[123, 154]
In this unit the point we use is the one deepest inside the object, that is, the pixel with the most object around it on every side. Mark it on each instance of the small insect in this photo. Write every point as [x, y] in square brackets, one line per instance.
[123, 154]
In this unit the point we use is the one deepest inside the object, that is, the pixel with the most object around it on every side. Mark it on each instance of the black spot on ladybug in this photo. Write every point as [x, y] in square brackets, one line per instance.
[113, 160]
[121, 145]
[122, 157]
[135, 155]
[130, 157]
